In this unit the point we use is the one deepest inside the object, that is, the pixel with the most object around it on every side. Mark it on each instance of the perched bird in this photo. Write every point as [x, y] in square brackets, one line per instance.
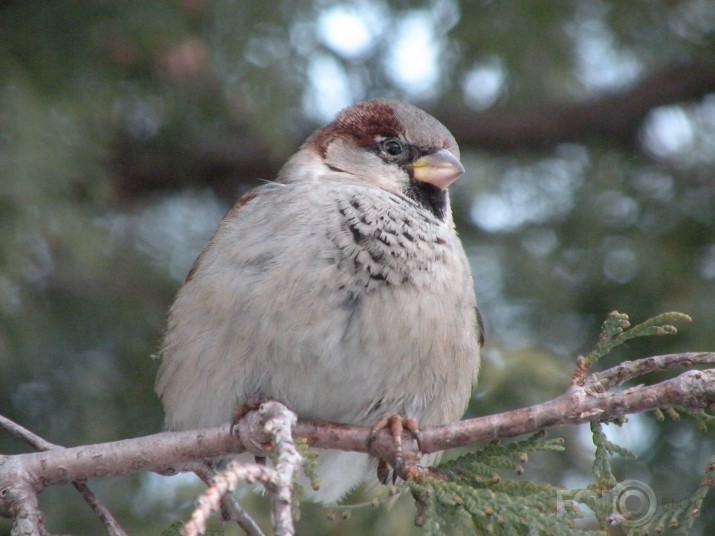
[340, 290]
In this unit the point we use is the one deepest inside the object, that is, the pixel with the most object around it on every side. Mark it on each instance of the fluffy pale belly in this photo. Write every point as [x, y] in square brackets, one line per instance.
[345, 366]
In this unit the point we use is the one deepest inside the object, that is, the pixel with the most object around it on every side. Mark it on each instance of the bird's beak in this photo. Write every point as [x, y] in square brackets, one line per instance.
[439, 169]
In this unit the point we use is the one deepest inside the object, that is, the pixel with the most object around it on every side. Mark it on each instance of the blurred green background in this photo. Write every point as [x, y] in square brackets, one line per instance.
[127, 129]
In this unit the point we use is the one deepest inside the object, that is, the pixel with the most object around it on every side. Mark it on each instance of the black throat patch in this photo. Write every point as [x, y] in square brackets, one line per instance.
[429, 196]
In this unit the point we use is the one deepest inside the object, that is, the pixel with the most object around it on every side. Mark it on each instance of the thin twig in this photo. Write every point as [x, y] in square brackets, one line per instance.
[23, 434]
[223, 483]
[628, 370]
[38, 443]
[112, 525]
[229, 505]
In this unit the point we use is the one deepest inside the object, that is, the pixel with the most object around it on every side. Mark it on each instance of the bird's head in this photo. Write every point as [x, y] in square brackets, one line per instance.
[390, 145]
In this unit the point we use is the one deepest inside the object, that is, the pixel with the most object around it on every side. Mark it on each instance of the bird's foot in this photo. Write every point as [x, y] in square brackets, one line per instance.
[396, 424]
[252, 404]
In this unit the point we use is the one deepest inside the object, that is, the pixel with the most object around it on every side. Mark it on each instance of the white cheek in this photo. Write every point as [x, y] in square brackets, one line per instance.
[304, 166]
[314, 170]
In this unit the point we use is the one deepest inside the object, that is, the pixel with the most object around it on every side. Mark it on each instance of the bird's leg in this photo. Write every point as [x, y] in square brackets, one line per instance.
[397, 425]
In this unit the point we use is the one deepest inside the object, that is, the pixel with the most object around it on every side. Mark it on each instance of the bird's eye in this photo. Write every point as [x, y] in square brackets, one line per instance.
[392, 147]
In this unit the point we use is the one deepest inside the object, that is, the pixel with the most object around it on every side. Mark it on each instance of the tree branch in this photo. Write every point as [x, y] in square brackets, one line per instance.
[616, 118]
[23, 476]
[692, 389]
[243, 154]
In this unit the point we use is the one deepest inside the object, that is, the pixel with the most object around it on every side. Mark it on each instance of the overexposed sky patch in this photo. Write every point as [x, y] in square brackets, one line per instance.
[351, 30]
[602, 62]
[668, 131]
[483, 84]
[413, 62]
[329, 90]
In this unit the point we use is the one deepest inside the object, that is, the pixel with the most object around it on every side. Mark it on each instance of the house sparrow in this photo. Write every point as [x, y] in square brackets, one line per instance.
[340, 290]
